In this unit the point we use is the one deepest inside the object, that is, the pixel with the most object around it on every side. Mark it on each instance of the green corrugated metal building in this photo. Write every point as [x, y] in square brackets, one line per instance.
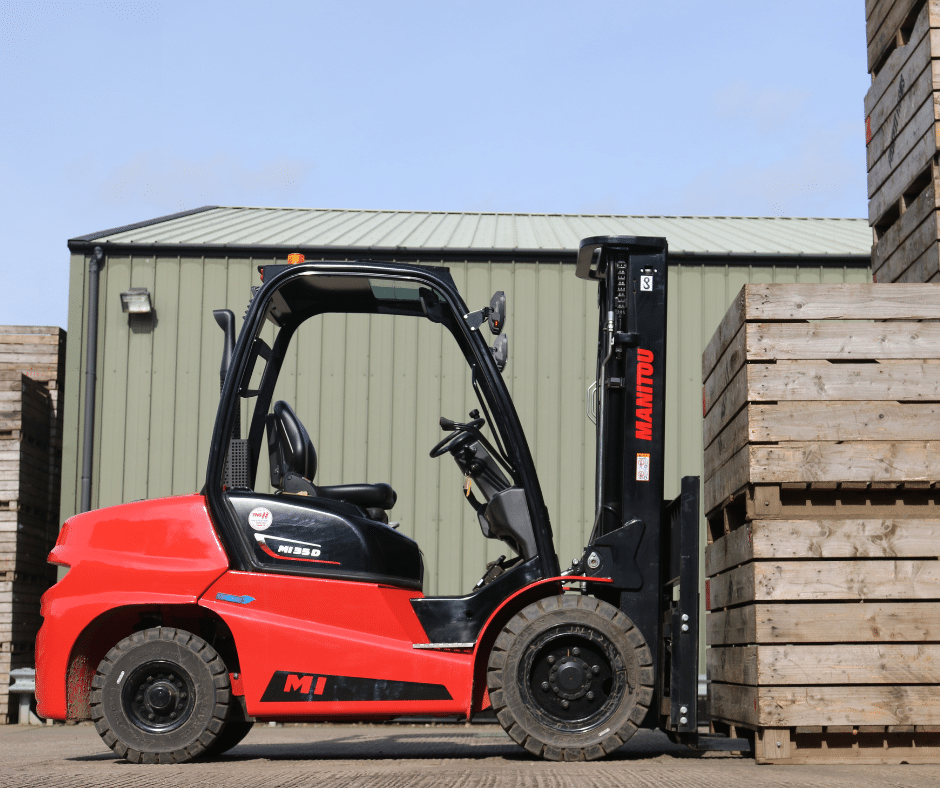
[371, 388]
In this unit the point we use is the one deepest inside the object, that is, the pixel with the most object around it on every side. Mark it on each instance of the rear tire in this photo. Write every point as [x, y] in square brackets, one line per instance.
[570, 678]
[161, 696]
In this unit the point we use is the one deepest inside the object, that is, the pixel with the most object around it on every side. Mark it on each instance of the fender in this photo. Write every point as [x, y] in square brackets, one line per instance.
[552, 586]
[149, 553]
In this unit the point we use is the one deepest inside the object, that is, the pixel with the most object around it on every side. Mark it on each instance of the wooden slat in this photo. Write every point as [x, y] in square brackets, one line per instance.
[907, 381]
[797, 341]
[844, 705]
[847, 622]
[822, 421]
[884, 461]
[831, 538]
[823, 581]
[766, 303]
[873, 663]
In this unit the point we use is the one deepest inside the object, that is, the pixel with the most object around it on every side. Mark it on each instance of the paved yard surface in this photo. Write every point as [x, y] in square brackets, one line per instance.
[410, 757]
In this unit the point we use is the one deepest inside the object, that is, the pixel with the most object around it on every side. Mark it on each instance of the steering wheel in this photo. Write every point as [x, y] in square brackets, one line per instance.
[462, 433]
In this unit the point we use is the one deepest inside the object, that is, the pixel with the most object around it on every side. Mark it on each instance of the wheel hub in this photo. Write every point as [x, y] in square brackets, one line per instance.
[158, 697]
[570, 678]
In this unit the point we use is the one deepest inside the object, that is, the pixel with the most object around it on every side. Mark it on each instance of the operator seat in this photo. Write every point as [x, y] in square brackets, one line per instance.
[294, 464]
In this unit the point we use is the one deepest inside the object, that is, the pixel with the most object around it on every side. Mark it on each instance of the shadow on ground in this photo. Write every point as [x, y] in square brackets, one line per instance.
[382, 744]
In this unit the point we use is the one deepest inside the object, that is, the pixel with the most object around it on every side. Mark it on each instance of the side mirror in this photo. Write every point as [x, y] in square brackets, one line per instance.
[226, 320]
[500, 351]
[497, 316]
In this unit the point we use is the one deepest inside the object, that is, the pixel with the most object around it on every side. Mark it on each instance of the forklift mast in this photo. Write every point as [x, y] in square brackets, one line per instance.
[648, 547]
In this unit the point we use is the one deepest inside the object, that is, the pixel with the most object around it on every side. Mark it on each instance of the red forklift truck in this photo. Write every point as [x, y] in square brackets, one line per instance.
[180, 622]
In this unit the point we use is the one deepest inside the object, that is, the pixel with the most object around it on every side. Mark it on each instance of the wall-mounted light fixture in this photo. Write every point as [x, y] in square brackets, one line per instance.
[136, 301]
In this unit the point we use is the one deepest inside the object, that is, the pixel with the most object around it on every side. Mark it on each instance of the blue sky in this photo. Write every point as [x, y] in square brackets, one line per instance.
[116, 112]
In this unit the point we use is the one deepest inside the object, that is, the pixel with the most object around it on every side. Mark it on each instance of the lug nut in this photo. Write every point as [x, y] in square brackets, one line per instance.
[595, 669]
[551, 660]
[564, 704]
[545, 686]
[172, 715]
[150, 716]
[590, 696]
[576, 651]
[183, 695]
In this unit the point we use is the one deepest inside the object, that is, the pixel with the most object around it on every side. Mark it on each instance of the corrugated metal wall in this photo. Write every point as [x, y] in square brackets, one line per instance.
[373, 387]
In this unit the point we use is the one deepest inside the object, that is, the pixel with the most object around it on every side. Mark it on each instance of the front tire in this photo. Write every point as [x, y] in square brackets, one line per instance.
[162, 695]
[570, 678]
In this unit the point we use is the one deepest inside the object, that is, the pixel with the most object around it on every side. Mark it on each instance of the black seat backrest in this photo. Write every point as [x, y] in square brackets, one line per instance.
[290, 449]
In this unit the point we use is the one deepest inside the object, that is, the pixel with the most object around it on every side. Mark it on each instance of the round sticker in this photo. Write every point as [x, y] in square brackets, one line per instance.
[260, 518]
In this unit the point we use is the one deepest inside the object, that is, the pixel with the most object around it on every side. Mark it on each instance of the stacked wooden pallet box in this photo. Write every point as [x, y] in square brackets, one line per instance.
[822, 500]
[902, 111]
[31, 367]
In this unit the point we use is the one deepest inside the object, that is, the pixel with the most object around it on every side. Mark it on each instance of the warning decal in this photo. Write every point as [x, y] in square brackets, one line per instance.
[642, 467]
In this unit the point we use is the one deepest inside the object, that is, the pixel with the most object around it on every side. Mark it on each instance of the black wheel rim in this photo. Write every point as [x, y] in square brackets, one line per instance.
[572, 678]
[158, 697]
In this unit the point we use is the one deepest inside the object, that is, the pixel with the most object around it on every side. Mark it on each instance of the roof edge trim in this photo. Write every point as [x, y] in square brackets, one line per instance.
[138, 225]
[80, 245]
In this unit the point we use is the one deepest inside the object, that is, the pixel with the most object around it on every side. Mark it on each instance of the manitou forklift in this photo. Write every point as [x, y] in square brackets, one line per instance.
[182, 621]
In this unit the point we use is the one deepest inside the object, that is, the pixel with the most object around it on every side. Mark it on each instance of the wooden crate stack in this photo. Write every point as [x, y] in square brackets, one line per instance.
[31, 367]
[902, 132]
[822, 498]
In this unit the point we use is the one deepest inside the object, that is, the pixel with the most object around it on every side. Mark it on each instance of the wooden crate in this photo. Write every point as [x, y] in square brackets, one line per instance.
[35, 351]
[824, 639]
[31, 367]
[822, 457]
[903, 139]
[827, 388]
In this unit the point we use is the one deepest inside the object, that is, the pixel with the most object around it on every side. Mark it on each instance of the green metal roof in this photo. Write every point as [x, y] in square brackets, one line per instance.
[429, 231]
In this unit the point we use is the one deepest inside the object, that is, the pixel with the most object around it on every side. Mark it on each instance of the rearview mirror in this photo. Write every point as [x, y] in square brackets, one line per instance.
[497, 316]
[500, 351]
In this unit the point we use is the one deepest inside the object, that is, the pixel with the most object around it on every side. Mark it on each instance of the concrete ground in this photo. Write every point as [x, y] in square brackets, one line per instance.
[410, 756]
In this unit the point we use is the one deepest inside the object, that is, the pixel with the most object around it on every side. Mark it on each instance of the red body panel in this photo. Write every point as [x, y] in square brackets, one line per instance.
[151, 552]
[332, 629]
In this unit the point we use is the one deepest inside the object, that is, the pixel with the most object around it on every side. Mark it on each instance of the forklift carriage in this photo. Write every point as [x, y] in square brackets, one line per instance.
[182, 621]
